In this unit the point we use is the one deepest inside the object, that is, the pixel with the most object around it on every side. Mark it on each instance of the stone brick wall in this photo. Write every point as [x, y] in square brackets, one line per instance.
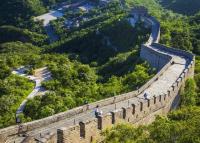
[13, 130]
[156, 59]
[142, 111]
[139, 112]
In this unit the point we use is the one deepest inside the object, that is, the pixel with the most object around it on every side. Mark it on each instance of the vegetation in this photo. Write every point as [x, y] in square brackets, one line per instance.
[14, 90]
[185, 7]
[180, 126]
[11, 33]
[15, 54]
[17, 11]
[74, 83]
[92, 61]
[189, 96]
[79, 62]
[104, 45]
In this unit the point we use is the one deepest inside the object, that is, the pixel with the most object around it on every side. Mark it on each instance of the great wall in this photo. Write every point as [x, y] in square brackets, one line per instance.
[79, 125]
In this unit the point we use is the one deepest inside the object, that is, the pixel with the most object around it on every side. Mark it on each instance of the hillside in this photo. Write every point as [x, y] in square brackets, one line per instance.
[186, 7]
[78, 62]
[95, 59]
[11, 33]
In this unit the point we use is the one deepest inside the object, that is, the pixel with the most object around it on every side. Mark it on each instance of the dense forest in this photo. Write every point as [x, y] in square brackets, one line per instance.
[186, 7]
[92, 62]
[20, 13]
[80, 62]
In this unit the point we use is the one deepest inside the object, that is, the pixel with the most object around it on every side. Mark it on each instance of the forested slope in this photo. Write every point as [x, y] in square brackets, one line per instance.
[19, 12]
[79, 62]
[186, 7]
[178, 31]
[91, 62]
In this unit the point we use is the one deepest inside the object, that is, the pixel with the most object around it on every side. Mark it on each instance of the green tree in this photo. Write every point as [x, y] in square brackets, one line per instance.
[12, 33]
[32, 107]
[16, 11]
[4, 70]
[188, 97]
[46, 111]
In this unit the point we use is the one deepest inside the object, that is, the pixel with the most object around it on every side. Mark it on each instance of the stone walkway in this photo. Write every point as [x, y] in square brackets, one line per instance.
[41, 75]
[157, 88]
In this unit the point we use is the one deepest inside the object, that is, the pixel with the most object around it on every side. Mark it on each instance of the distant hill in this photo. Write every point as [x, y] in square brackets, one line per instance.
[153, 6]
[186, 7]
[12, 33]
[13, 12]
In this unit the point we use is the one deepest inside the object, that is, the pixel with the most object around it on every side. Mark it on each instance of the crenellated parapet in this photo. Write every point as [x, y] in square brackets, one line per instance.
[139, 111]
[143, 111]
[79, 125]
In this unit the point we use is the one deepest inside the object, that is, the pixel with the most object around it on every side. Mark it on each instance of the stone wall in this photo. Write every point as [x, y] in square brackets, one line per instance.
[50, 138]
[156, 59]
[13, 130]
[139, 112]
[186, 54]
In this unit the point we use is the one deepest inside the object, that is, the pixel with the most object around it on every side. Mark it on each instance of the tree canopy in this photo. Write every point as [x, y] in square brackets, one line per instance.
[181, 125]
[95, 60]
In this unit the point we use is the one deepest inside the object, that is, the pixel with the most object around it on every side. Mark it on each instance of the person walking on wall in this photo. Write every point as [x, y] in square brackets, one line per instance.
[97, 111]
[146, 96]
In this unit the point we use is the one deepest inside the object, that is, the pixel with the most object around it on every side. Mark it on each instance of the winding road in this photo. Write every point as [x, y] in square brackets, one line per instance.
[41, 75]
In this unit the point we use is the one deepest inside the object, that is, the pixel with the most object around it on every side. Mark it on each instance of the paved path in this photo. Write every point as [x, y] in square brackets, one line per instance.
[41, 75]
[53, 15]
[47, 17]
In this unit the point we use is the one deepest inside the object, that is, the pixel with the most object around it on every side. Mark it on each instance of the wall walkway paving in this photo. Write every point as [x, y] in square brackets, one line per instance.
[80, 124]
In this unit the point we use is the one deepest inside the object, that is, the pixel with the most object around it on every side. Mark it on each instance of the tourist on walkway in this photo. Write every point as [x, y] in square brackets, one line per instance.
[145, 96]
[97, 111]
